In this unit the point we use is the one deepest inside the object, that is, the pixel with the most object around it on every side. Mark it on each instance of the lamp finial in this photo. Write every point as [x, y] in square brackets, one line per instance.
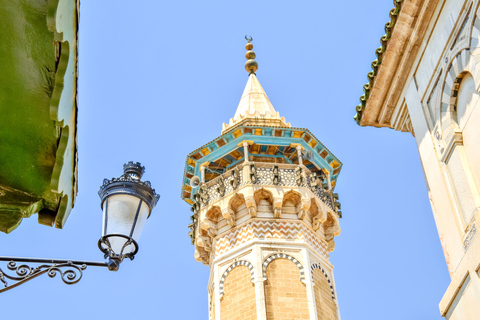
[134, 169]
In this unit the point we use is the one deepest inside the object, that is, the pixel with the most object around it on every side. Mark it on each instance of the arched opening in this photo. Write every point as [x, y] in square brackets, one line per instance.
[285, 293]
[324, 294]
[238, 300]
[237, 203]
[462, 135]
[468, 119]
[291, 200]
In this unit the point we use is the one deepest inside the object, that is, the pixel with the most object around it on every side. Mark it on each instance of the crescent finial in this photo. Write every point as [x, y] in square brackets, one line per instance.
[251, 65]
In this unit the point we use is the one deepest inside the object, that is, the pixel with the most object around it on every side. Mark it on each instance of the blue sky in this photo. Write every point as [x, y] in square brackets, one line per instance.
[156, 80]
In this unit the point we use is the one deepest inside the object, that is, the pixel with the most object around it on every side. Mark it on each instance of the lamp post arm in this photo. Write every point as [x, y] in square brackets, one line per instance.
[69, 270]
[39, 260]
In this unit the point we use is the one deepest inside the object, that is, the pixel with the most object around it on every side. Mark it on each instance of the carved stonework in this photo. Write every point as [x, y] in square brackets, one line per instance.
[304, 205]
[462, 33]
[469, 238]
[222, 186]
[229, 215]
[251, 206]
[311, 205]
[404, 123]
[204, 242]
[277, 207]
[209, 226]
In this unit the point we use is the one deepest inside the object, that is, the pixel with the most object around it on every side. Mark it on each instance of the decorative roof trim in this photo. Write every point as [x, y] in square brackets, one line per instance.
[389, 27]
[189, 158]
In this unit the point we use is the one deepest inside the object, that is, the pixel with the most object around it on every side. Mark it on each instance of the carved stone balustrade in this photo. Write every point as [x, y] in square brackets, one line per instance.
[264, 176]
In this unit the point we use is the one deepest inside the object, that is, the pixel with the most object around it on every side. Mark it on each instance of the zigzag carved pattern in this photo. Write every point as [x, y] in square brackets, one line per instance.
[263, 230]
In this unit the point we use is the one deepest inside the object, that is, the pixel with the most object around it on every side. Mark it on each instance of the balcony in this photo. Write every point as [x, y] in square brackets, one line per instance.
[264, 174]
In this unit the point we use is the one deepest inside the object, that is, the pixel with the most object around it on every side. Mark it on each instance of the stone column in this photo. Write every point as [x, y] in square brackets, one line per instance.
[299, 152]
[259, 285]
[245, 150]
[216, 283]
[309, 283]
[202, 173]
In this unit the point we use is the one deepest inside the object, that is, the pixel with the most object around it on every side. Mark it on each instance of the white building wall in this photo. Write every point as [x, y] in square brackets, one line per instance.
[443, 100]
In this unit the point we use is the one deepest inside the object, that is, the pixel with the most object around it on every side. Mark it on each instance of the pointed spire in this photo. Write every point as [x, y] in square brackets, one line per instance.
[254, 103]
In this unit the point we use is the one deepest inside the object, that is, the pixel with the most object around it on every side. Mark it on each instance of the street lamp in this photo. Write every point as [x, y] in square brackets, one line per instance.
[127, 202]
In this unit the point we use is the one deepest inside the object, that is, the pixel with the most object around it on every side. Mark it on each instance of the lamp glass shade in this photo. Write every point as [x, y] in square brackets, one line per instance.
[126, 215]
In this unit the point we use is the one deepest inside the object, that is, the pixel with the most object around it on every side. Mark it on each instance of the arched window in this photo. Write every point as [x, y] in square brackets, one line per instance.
[285, 293]
[468, 121]
[238, 292]
[462, 143]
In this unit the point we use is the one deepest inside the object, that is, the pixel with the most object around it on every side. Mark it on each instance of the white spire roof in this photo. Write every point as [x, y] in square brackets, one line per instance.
[255, 105]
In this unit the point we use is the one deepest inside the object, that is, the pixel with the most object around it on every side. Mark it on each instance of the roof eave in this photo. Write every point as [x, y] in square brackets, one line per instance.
[394, 64]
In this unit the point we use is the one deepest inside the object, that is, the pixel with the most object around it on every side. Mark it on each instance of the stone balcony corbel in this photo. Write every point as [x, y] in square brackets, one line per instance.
[333, 230]
[303, 207]
[331, 245]
[320, 217]
[209, 226]
[277, 207]
[205, 242]
[318, 220]
[251, 206]
[229, 215]
[201, 256]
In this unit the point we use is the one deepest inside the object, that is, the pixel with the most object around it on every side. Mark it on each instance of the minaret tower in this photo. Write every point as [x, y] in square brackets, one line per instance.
[265, 215]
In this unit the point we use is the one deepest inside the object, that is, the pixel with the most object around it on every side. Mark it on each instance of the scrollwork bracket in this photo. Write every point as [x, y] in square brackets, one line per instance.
[70, 271]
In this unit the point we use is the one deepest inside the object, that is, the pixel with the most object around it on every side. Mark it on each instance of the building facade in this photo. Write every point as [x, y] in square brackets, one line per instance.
[265, 215]
[426, 81]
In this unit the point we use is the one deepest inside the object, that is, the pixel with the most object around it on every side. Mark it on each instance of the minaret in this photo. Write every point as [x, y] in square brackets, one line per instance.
[265, 215]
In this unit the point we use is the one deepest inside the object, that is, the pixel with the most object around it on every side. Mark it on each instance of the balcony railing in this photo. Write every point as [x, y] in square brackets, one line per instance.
[265, 174]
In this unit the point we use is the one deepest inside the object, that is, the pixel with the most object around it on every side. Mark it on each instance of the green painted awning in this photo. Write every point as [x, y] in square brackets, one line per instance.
[38, 108]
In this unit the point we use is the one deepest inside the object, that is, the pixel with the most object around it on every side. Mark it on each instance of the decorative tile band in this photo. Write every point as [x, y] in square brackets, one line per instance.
[232, 266]
[317, 266]
[284, 256]
[269, 230]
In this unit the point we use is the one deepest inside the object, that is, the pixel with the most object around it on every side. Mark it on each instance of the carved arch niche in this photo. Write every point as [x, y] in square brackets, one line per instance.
[294, 203]
[232, 211]
[263, 200]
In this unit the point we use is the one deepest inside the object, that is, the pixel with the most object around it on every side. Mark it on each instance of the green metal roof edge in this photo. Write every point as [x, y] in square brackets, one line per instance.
[389, 26]
[68, 136]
